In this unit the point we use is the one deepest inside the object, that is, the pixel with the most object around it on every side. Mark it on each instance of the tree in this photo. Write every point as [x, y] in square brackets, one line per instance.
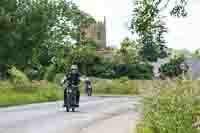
[148, 24]
[85, 58]
[32, 29]
[24, 26]
[128, 52]
[196, 53]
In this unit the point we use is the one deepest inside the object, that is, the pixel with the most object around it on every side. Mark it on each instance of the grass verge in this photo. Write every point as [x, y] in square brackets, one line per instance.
[41, 91]
[169, 106]
[12, 94]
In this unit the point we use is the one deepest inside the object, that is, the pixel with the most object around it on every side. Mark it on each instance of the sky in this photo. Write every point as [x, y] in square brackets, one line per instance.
[182, 33]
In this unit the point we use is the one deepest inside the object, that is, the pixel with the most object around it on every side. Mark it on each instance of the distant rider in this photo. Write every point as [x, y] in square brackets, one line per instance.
[88, 85]
[73, 79]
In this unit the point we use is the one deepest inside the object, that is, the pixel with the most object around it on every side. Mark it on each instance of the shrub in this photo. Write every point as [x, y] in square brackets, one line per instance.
[140, 71]
[124, 79]
[172, 69]
[168, 107]
[51, 72]
[122, 70]
[18, 77]
[58, 78]
[36, 72]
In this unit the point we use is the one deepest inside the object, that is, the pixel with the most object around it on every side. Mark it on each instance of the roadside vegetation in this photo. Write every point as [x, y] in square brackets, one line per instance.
[44, 91]
[40, 40]
[17, 94]
[47, 34]
[20, 90]
[169, 107]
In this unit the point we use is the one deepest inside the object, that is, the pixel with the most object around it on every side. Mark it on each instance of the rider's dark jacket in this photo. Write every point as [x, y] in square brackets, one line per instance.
[73, 78]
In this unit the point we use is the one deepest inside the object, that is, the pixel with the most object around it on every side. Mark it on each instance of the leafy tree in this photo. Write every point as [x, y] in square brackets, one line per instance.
[31, 31]
[128, 53]
[148, 24]
[89, 43]
[85, 58]
[24, 26]
[196, 53]
[104, 68]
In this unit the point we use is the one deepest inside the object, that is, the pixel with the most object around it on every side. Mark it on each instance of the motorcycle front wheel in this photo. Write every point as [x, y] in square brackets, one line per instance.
[67, 102]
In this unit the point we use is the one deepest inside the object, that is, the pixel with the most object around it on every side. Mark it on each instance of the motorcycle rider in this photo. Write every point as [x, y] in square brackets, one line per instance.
[88, 85]
[73, 78]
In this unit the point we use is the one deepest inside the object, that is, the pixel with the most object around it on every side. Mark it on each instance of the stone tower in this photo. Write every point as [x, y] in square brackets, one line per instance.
[96, 32]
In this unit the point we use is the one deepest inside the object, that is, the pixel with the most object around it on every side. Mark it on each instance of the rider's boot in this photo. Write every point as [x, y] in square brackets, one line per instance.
[77, 98]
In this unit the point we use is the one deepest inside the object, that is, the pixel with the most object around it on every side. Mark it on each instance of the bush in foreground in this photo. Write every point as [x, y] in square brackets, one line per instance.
[168, 107]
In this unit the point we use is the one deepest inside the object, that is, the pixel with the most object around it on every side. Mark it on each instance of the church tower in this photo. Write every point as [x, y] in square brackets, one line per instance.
[97, 33]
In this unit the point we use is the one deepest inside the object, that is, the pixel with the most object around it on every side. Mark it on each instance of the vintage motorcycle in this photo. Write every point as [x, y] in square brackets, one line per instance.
[70, 97]
[89, 90]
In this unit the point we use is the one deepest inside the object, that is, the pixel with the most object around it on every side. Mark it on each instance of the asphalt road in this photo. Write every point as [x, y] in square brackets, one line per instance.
[95, 115]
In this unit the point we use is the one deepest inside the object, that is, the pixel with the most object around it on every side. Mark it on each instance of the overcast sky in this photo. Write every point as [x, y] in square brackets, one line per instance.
[183, 33]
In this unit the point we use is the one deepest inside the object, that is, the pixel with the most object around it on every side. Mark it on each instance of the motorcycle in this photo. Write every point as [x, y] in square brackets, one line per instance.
[89, 90]
[70, 98]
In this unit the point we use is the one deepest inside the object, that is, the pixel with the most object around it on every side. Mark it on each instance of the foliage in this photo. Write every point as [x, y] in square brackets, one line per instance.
[143, 71]
[168, 106]
[32, 93]
[43, 91]
[135, 71]
[104, 69]
[85, 58]
[35, 72]
[50, 73]
[128, 52]
[196, 53]
[17, 76]
[24, 29]
[58, 78]
[172, 69]
[114, 87]
[132, 71]
[148, 24]
[36, 28]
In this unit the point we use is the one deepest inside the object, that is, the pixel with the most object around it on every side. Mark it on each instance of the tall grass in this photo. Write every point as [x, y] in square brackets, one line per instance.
[16, 93]
[169, 106]
[28, 93]
[121, 86]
